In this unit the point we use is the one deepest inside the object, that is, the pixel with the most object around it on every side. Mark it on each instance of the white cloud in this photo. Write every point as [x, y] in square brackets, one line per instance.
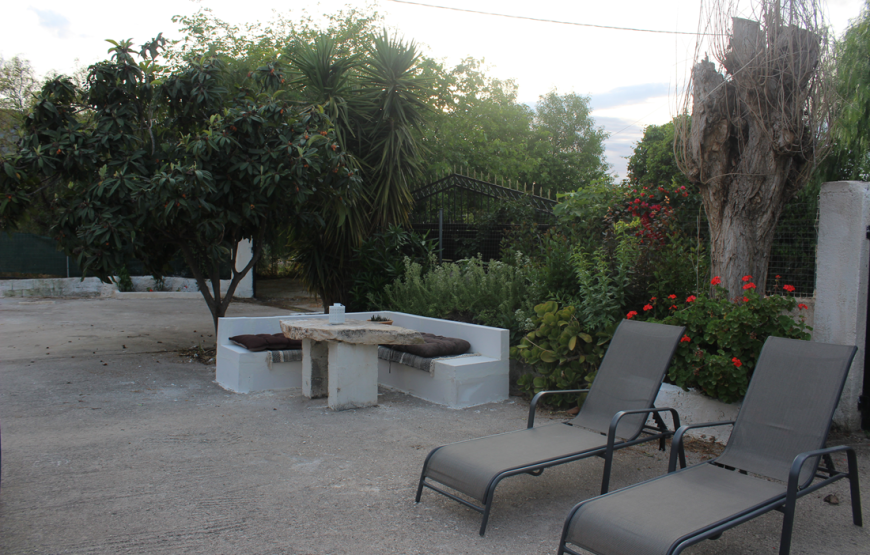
[56, 23]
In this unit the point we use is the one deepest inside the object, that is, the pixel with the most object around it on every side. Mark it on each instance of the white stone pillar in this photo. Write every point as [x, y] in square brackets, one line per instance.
[842, 259]
[315, 369]
[353, 375]
[245, 289]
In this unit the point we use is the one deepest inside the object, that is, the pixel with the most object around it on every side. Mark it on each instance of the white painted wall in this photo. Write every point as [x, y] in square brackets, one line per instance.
[842, 259]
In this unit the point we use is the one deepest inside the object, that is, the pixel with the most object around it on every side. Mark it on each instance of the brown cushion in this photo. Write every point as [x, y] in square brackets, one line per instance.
[266, 342]
[435, 346]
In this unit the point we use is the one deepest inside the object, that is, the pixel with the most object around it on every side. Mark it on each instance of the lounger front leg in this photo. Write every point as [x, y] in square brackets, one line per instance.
[423, 474]
[487, 503]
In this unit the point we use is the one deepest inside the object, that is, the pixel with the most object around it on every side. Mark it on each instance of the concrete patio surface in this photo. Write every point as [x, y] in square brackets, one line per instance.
[112, 443]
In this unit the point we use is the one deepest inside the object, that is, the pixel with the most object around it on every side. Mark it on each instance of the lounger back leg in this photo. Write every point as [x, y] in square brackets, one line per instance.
[854, 492]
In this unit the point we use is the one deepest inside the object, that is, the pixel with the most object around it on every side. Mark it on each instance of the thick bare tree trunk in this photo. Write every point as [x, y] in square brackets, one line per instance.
[749, 147]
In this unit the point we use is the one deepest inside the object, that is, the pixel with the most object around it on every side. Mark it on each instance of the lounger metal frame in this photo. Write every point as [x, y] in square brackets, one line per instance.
[660, 432]
[786, 502]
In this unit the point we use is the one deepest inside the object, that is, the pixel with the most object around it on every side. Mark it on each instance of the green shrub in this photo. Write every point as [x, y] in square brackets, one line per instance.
[585, 210]
[604, 278]
[723, 338]
[381, 260]
[489, 293]
[124, 281]
[564, 354]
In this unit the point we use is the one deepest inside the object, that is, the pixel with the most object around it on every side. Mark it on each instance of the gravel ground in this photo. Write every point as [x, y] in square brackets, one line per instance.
[113, 443]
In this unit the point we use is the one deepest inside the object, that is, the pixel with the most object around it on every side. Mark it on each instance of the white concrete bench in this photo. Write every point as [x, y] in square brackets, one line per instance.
[457, 382]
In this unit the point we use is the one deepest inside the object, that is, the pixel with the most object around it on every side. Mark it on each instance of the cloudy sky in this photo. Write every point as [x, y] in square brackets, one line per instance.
[634, 78]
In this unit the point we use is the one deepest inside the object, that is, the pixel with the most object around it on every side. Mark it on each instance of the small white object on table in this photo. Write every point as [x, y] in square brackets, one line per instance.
[341, 360]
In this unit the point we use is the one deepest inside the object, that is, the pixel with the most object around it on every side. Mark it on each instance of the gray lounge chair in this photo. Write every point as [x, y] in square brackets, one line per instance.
[612, 417]
[771, 459]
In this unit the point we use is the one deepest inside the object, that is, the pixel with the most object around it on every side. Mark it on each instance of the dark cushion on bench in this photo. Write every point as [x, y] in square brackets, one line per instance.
[435, 346]
[266, 342]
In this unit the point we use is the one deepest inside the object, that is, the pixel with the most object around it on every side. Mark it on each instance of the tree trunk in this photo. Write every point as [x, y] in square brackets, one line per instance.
[218, 304]
[749, 148]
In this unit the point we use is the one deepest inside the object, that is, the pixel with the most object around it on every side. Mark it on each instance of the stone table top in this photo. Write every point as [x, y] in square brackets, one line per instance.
[360, 332]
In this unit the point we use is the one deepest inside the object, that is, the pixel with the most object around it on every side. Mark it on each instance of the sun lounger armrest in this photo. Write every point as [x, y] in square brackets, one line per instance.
[611, 438]
[611, 433]
[540, 394]
[794, 473]
[677, 442]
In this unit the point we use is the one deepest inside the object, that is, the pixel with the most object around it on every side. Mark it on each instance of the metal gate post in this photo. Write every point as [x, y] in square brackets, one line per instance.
[440, 234]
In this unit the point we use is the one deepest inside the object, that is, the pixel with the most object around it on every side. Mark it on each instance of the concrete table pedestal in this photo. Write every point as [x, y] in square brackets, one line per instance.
[341, 360]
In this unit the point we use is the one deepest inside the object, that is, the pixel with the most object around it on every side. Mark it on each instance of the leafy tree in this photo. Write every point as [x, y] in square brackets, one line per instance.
[373, 90]
[18, 84]
[204, 34]
[377, 100]
[479, 128]
[154, 164]
[850, 155]
[18, 87]
[570, 148]
[482, 129]
[653, 163]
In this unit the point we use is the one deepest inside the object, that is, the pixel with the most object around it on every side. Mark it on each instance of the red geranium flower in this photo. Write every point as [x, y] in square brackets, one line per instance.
[749, 286]
[653, 298]
[672, 297]
[802, 306]
[745, 300]
[737, 362]
[673, 307]
[716, 280]
[691, 298]
[631, 314]
[789, 288]
[685, 339]
[647, 307]
[777, 277]
[747, 278]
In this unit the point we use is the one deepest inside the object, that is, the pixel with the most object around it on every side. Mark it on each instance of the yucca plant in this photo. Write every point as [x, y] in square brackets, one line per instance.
[377, 102]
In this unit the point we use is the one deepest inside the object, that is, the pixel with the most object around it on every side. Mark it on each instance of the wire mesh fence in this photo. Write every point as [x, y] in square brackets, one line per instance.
[793, 253]
[792, 257]
[27, 255]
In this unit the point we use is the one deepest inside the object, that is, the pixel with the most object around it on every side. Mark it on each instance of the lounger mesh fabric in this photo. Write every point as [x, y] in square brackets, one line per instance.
[628, 378]
[469, 466]
[787, 411]
[789, 407]
[648, 520]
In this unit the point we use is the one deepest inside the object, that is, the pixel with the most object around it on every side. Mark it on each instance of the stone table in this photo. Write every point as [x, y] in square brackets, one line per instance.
[341, 360]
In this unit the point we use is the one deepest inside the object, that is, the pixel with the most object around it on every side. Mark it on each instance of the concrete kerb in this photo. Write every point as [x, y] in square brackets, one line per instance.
[144, 287]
